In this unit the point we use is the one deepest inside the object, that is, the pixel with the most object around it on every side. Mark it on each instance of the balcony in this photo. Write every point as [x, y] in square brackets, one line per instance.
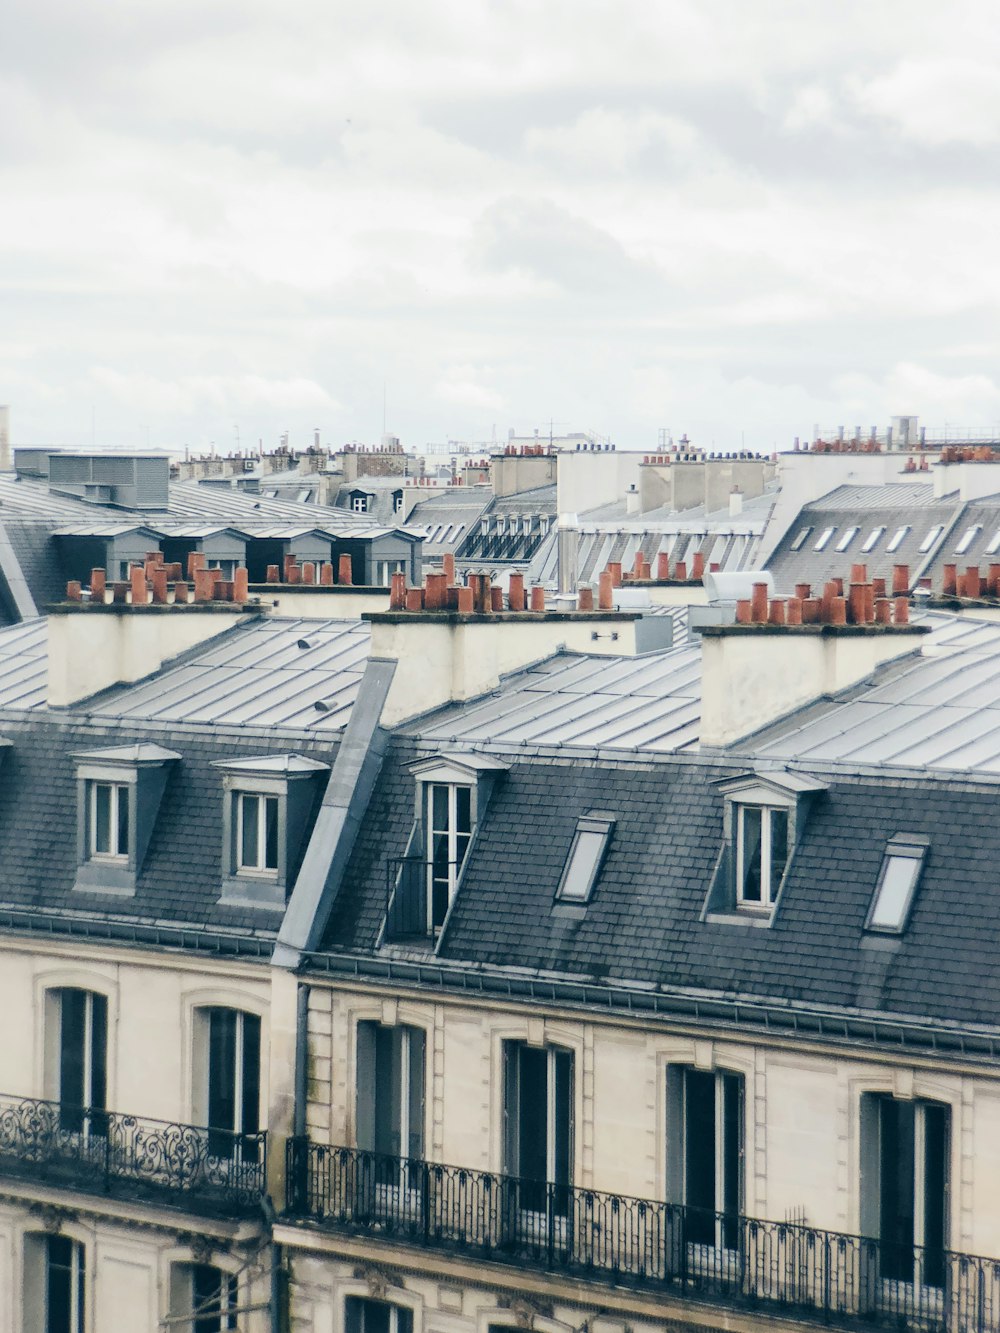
[149, 1161]
[726, 1259]
[417, 894]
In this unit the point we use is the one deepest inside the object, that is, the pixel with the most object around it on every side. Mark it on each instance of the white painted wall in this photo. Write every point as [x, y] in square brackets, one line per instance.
[587, 479]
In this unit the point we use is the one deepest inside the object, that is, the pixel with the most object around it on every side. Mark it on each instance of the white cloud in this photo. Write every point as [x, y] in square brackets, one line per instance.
[936, 102]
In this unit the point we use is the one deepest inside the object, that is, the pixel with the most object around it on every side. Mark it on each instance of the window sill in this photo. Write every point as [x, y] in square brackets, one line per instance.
[755, 918]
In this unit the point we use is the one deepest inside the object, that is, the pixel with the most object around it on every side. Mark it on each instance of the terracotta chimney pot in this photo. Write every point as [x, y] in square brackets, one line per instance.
[448, 566]
[585, 598]
[414, 599]
[758, 603]
[662, 566]
[901, 611]
[949, 580]
[397, 591]
[515, 592]
[776, 612]
[838, 611]
[326, 574]
[605, 592]
[743, 612]
[538, 599]
[272, 574]
[98, 585]
[803, 591]
[496, 598]
[615, 570]
[241, 584]
[308, 572]
[345, 575]
[137, 585]
[900, 580]
[159, 579]
[812, 610]
[681, 571]
[465, 601]
[883, 611]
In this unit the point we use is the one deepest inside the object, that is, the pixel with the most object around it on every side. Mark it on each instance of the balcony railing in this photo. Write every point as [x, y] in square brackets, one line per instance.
[205, 1170]
[416, 897]
[728, 1259]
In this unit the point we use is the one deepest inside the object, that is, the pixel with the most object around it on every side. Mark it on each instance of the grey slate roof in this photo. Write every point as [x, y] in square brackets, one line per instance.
[643, 924]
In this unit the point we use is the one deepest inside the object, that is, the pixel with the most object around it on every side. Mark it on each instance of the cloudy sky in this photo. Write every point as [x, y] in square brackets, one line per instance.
[731, 217]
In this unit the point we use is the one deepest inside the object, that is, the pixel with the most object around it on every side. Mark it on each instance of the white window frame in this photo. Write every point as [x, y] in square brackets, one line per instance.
[967, 538]
[823, 540]
[912, 855]
[384, 570]
[873, 539]
[768, 889]
[455, 864]
[994, 544]
[587, 855]
[115, 789]
[800, 539]
[359, 503]
[932, 536]
[897, 539]
[847, 538]
[263, 800]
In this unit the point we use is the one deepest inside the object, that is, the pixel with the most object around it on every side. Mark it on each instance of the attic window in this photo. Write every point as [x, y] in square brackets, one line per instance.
[586, 854]
[897, 539]
[873, 538]
[968, 537]
[761, 854]
[896, 886]
[994, 545]
[932, 537]
[847, 538]
[824, 538]
[800, 539]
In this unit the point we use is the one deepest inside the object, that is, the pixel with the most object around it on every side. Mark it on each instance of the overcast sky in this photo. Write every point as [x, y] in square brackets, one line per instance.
[730, 217]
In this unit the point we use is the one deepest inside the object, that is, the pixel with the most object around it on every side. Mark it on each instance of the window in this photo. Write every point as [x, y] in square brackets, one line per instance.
[108, 819]
[586, 854]
[226, 568]
[78, 1022]
[538, 1115]
[397, 502]
[897, 539]
[873, 539]
[362, 1315]
[761, 854]
[256, 833]
[932, 537]
[203, 1299]
[54, 1284]
[359, 502]
[967, 538]
[846, 539]
[823, 538]
[390, 1098]
[384, 570]
[994, 544]
[897, 882]
[904, 1186]
[801, 537]
[227, 1082]
[449, 831]
[705, 1139]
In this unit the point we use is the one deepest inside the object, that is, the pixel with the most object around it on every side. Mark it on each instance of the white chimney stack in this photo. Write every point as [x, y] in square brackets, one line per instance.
[735, 502]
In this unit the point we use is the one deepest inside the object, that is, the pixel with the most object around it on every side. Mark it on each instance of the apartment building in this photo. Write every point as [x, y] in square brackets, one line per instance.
[461, 970]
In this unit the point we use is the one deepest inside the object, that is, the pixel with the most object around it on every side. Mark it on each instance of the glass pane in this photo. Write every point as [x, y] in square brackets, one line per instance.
[699, 1155]
[271, 832]
[931, 538]
[251, 1073]
[894, 892]
[73, 1008]
[582, 865]
[779, 850]
[99, 1054]
[847, 538]
[222, 1069]
[800, 538]
[897, 539]
[122, 845]
[750, 822]
[532, 1113]
[732, 1137]
[463, 809]
[249, 840]
[823, 538]
[896, 1220]
[935, 1191]
[563, 1093]
[439, 807]
[59, 1282]
[102, 818]
[872, 539]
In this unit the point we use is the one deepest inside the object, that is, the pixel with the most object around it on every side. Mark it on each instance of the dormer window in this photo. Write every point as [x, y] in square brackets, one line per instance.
[823, 539]
[118, 795]
[763, 817]
[452, 792]
[897, 539]
[359, 502]
[761, 854]
[846, 539]
[269, 800]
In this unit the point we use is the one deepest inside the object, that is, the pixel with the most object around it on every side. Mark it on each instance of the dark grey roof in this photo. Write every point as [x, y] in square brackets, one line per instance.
[643, 924]
[983, 516]
[180, 880]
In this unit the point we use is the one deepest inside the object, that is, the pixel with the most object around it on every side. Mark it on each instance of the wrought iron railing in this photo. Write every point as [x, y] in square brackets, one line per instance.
[106, 1152]
[416, 897]
[739, 1261]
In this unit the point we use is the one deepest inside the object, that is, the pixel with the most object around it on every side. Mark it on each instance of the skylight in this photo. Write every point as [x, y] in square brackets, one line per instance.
[932, 537]
[897, 883]
[873, 538]
[968, 537]
[897, 539]
[847, 538]
[823, 538]
[586, 853]
[800, 539]
[994, 544]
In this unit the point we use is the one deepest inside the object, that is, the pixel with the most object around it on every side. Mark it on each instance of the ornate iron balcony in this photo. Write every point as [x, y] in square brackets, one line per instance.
[724, 1258]
[104, 1152]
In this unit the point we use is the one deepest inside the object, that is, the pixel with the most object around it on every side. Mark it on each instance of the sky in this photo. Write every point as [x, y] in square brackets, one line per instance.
[733, 218]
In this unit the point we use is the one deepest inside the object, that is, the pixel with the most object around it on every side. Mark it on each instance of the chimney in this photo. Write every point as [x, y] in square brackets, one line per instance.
[94, 645]
[568, 552]
[735, 502]
[633, 503]
[755, 673]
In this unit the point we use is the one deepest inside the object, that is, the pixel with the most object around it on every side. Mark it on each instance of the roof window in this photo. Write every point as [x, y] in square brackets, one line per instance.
[586, 854]
[968, 537]
[823, 538]
[873, 539]
[897, 539]
[800, 539]
[847, 538]
[994, 543]
[897, 883]
[932, 537]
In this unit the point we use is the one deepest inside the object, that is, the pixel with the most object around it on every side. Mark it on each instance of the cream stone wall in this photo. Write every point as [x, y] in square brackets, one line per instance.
[802, 1103]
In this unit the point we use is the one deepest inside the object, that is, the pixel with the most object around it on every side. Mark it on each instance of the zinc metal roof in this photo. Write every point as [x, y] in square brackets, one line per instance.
[24, 664]
[270, 673]
[651, 702]
[888, 495]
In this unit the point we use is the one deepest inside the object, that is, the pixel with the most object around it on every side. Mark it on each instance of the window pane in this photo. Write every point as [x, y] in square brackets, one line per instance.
[64, 1272]
[894, 892]
[102, 818]
[250, 842]
[122, 831]
[779, 849]
[872, 539]
[699, 1155]
[439, 807]
[563, 1093]
[582, 864]
[846, 539]
[931, 537]
[935, 1191]
[968, 537]
[99, 1054]
[271, 832]
[896, 1220]
[73, 1007]
[222, 1068]
[898, 537]
[251, 1073]
[463, 809]
[800, 539]
[532, 1112]
[823, 538]
[750, 819]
